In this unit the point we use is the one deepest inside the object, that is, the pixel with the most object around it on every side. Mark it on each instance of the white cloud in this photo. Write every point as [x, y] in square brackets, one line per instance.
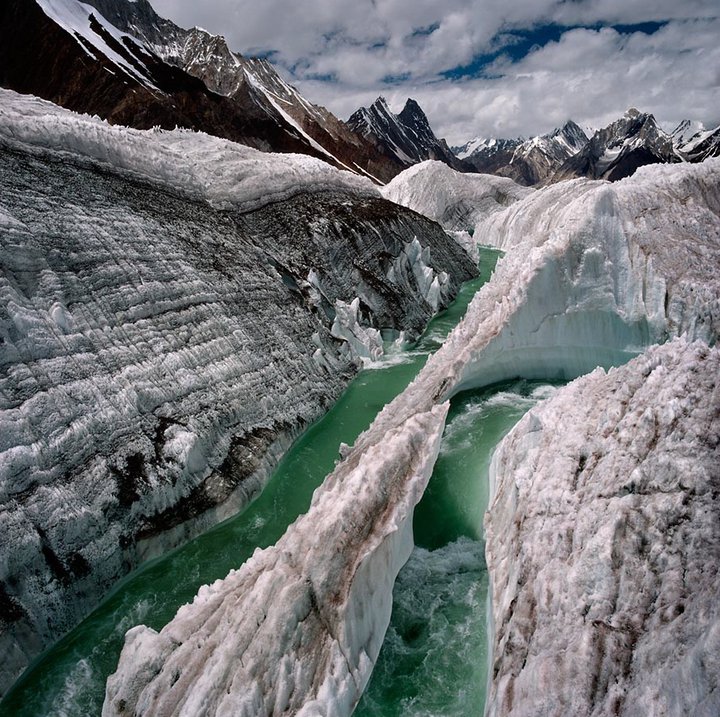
[588, 74]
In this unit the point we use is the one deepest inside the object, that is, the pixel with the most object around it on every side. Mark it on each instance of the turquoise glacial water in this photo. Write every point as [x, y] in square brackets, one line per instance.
[433, 660]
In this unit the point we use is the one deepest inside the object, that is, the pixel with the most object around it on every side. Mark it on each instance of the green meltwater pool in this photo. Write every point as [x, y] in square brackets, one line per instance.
[433, 659]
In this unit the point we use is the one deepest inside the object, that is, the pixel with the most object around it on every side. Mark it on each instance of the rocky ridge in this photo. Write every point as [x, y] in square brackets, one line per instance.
[121, 61]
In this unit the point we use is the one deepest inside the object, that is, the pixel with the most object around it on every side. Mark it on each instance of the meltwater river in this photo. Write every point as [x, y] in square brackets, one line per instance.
[433, 661]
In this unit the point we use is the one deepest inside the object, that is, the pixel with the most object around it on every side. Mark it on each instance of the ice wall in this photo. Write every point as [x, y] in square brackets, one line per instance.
[596, 272]
[298, 627]
[200, 166]
[157, 353]
[602, 544]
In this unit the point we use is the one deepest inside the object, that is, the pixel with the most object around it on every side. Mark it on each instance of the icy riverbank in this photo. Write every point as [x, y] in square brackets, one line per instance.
[589, 278]
[297, 629]
[602, 544]
[166, 329]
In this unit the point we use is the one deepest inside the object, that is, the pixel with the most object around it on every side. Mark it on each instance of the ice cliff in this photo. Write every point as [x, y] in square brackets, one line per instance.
[602, 544]
[594, 273]
[166, 329]
[297, 629]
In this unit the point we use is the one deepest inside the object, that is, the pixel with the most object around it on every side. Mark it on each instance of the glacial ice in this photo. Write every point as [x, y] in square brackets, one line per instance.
[197, 165]
[298, 627]
[455, 200]
[602, 544]
[160, 343]
[593, 274]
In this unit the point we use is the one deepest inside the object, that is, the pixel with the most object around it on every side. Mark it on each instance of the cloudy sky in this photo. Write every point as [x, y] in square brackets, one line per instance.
[484, 67]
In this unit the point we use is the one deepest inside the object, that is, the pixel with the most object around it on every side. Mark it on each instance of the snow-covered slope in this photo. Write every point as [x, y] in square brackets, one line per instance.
[619, 149]
[120, 60]
[694, 143]
[603, 546]
[169, 322]
[406, 137]
[458, 201]
[593, 274]
[454, 199]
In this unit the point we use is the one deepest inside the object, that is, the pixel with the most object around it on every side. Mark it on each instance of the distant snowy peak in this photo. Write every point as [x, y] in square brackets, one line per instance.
[527, 162]
[407, 137]
[536, 159]
[694, 143]
[486, 147]
[620, 148]
[685, 131]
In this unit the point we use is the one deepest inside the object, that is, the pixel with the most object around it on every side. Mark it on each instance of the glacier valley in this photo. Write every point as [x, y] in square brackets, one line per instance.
[594, 274]
[168, 330]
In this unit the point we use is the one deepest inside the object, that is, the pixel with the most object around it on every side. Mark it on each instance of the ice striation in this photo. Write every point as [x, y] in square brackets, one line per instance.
[602, 544]
[613, 271]
[166, 329]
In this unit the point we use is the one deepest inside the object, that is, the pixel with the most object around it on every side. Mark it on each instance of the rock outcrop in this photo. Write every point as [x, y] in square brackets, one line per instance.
[602, 544]
[165, 331]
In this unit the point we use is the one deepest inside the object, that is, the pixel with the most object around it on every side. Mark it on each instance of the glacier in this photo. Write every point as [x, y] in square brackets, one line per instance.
[455, 200]
[602, 544]
[166, 330]
[594, 273]
[298, 627]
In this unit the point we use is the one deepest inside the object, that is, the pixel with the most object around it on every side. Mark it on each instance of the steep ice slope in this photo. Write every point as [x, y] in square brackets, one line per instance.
[298, 627]
[577, 287]
[602, 544]
[166, 327]
[457, 201]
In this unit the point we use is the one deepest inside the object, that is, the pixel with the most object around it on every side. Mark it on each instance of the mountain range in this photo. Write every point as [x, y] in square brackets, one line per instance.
[125, 63]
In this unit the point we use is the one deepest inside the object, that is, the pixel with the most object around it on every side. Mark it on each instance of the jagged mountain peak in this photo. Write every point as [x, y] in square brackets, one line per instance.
[406, 137]
[616, 151]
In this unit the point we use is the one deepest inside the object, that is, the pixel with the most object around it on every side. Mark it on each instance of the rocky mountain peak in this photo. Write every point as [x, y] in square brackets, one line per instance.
[406, 137]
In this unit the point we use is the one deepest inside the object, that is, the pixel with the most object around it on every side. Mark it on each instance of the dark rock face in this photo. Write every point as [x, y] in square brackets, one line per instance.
[39, 57]
[619, 149]
[407, 138]
[157, 356]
